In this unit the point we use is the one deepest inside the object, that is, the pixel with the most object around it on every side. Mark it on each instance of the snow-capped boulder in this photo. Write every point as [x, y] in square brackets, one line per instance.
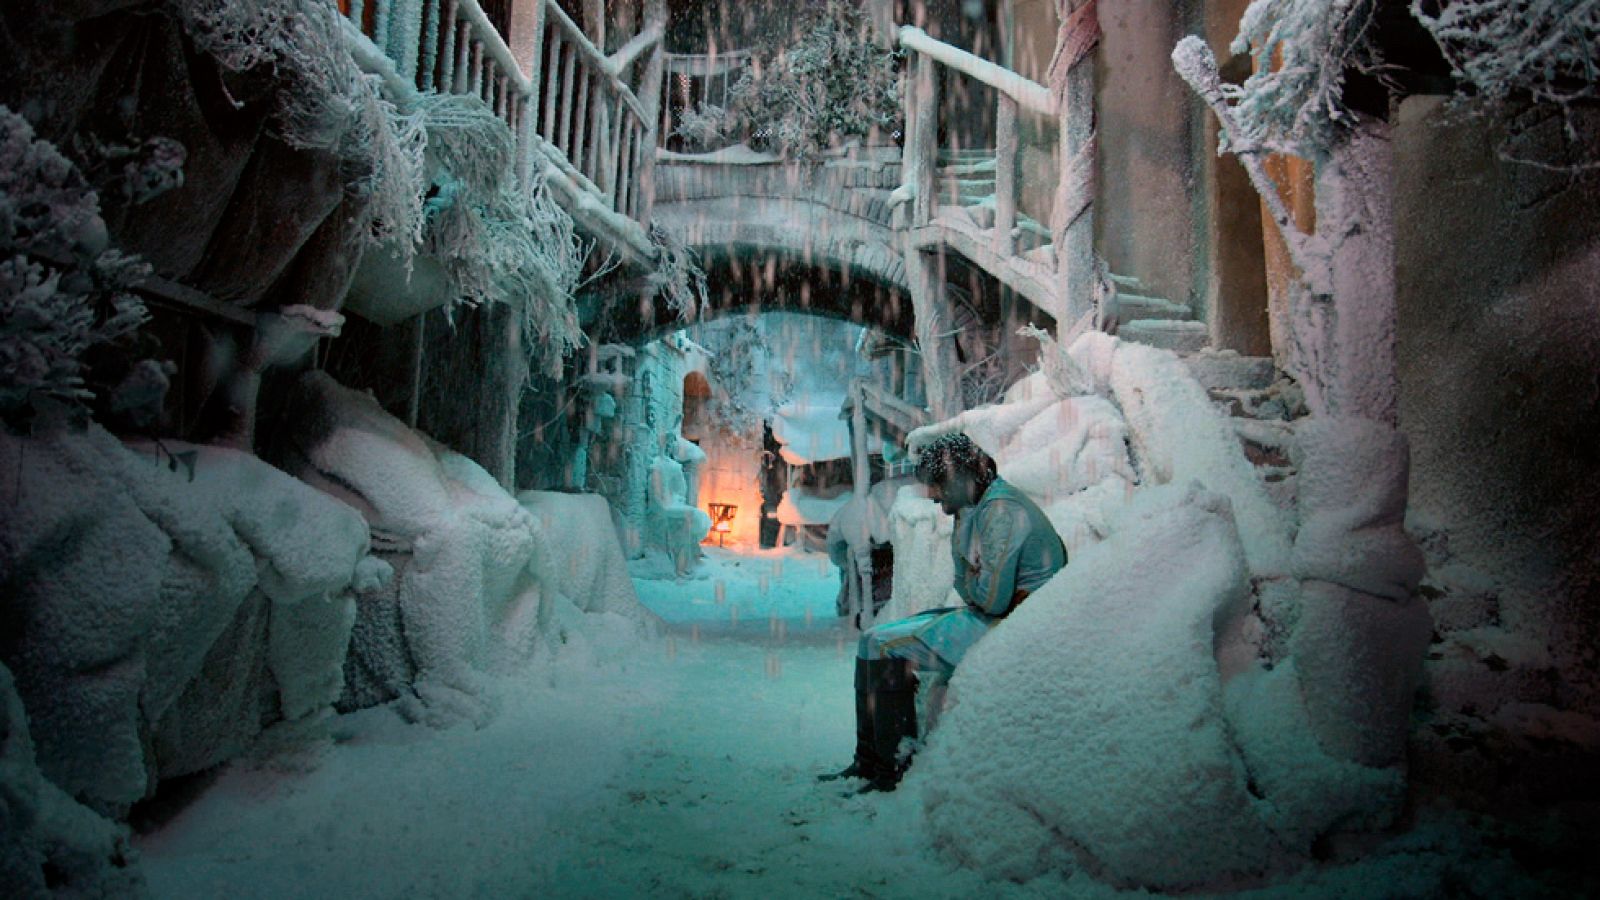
[1087, 729]
[52, 845]
[164, 606]
[477, 574]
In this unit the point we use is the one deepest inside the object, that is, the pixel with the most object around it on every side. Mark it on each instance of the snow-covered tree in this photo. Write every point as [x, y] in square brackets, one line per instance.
[834, 83]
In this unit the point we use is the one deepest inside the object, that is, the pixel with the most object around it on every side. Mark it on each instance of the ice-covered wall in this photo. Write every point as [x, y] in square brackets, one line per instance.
[155, 622]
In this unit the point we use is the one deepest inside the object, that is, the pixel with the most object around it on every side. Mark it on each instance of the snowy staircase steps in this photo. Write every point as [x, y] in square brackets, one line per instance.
[1155, 321]
[1261, 409]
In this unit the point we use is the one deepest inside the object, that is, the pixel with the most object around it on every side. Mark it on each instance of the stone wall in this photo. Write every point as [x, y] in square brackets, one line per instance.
[1499, 330]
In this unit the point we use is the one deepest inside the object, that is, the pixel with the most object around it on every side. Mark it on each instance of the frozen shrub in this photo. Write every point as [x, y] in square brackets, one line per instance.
[62, 291]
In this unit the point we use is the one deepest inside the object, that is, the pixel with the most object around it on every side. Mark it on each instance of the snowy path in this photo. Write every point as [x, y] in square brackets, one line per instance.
[680, 769]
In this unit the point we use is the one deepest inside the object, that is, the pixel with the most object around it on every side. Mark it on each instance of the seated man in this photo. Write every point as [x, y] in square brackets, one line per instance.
[1004, 549]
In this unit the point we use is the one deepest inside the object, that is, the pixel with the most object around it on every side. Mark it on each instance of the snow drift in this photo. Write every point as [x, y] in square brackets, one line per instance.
[479, 578]
[1134, 719]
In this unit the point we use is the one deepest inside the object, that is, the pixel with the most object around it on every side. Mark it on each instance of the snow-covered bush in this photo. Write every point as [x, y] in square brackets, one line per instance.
[62, 291]
[705, 127]
[833, 84]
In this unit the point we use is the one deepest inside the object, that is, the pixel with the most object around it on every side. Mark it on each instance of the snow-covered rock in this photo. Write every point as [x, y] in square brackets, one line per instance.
[478, 575]
[1178, 437]
[161, 616]
[1087, 729]
[50, 844]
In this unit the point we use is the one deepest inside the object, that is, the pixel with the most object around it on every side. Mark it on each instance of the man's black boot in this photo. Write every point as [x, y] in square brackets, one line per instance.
[894, 718]
[865, 764]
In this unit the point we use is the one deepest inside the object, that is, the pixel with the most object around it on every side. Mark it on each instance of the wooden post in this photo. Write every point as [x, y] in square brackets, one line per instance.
[463, 77]
[931, 307]
[1072, 219]
[582, 144]
[650, 87]
[552, 71]
[430, 48]
[447, 65]
[569, 70]
[1005, 175]
[925, 158]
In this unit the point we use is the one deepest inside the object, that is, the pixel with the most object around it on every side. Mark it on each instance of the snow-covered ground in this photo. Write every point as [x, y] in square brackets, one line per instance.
[677, 767]
[680, 766]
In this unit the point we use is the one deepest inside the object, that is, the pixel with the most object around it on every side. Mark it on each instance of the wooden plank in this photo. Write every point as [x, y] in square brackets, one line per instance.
[926, 138]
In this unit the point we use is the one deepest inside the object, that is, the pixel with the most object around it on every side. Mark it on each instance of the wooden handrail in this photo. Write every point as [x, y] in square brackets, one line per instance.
[618, 62]
[1028, 93]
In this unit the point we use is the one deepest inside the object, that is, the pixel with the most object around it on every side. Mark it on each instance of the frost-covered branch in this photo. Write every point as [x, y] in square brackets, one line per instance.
[1543, 52]
[1193, 60]
[1546, 49]
[1304, 49]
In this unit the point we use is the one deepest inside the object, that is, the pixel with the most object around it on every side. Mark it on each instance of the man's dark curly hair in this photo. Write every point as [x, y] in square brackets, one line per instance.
[954, 451]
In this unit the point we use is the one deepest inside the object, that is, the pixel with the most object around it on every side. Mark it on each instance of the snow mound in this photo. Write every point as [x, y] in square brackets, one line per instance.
[1178, 437]
[1087, 729]
[478, 576]
[166, 607]
[52, 845]
[924, 573]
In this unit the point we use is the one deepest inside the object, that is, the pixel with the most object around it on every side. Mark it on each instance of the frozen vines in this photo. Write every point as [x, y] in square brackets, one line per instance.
[325, 102]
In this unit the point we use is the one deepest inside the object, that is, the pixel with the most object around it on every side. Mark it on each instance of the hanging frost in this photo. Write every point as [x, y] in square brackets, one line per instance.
[1547, 51]
[1303, 49]
[324, 101]
[61, 290]
[678, 277]
[501, 241]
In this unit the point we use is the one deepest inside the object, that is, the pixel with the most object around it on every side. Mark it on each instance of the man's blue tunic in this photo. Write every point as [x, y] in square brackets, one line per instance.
[1003, 547]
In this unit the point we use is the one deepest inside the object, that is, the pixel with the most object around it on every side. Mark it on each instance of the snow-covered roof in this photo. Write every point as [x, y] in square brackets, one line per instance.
[811, 431]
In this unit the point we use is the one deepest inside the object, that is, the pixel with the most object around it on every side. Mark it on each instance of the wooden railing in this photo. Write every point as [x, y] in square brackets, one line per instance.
[570, 110]
[922, 118]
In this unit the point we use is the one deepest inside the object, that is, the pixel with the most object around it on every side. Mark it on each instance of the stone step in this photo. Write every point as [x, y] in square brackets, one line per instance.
[1226, 370]
[1168, 334]
[964, 191]
[1128, 307]
[1126, 281]
[977, 154]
